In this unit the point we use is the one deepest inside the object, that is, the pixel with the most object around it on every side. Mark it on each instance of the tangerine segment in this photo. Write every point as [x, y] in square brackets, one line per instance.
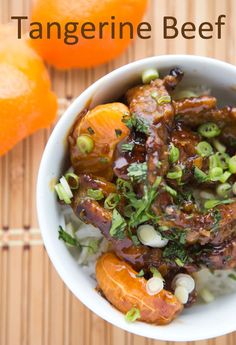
[124, 290]
[26, 102]
[104, 126]
[87, 52]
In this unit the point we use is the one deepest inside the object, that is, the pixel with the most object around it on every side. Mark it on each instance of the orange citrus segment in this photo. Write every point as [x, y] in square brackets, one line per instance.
[26, 102]
[104, 125]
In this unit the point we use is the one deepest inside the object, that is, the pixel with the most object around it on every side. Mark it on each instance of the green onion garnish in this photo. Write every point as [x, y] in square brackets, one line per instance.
[149, 74]
[223, 190]
[124, 186]
[224, 177]
[112, 201]
[209, 130]
[200, 176]
[85, 144]
[173, 153]
[132, 315]
[179, 262]
[140, 273]
[73, 180]
[215, 173]
[155, 272]
[232, 164]
[95, 194]
[62, 194]
[213, 203]
[218, 146]
[164, 99]
[170, 190]
[118, 225]
[174, 175]
[204, 149]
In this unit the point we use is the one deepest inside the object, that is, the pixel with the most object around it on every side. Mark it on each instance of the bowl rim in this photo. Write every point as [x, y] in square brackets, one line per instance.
[62, 122]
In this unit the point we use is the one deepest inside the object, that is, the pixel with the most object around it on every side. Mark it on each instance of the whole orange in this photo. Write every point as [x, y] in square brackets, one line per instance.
[86, 52]
[26, 101]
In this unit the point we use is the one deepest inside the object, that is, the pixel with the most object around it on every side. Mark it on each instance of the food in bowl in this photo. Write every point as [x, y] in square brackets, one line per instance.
[153, 176]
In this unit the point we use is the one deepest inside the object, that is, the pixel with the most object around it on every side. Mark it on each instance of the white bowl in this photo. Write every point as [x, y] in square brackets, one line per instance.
[198, 322]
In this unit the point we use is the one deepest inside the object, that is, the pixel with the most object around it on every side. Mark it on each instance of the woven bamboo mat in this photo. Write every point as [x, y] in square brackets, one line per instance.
[35, 306]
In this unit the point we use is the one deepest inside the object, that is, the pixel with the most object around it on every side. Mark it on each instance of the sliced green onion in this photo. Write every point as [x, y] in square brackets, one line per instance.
[95, 194]
[124, 186]
[200, 176]
[223, 159]
[133, 314]
[218, 146]
[213, 203]
[173, 154]
[85, 144]
[232, 164]
[62, 194]
[179, 262]
[149, 74]
[66, 186]
[224, 177]
[204, 149]
[140, 273]
[174, 175]
[73, 180]
[170, 190]
[215, 173]
[112, 201]
[223, 190]
[214, 162]
[155, 272]
[209, 130]
[154, 285]
[164, 99]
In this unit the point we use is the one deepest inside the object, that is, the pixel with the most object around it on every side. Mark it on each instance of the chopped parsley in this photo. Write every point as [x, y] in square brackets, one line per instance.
[175, 251]
[118, 132]
[73, 241]
[136, 122]
[118, 225]
[95, 194]
[127, 147]
[90, 130]
[138, 171]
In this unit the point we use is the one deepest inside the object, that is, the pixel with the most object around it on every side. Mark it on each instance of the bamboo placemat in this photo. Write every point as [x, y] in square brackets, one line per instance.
[35, 306]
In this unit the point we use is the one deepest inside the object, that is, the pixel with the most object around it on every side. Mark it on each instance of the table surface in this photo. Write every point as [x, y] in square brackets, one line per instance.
[36, 308]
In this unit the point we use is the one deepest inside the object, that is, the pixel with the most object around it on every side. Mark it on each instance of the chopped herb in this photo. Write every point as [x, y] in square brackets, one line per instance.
[135, 240]
[118, 226]
[95, 194]
[132, 315]
[138, 171]
[90, 130]
[232, 276]
[127, 147]
[175, 251]
[176, 174]
[140, 274]
[124, 186]
[118, 132]
[217, 218]
[72, 241]
[173, 153]
[93, 246]
[138, 123]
